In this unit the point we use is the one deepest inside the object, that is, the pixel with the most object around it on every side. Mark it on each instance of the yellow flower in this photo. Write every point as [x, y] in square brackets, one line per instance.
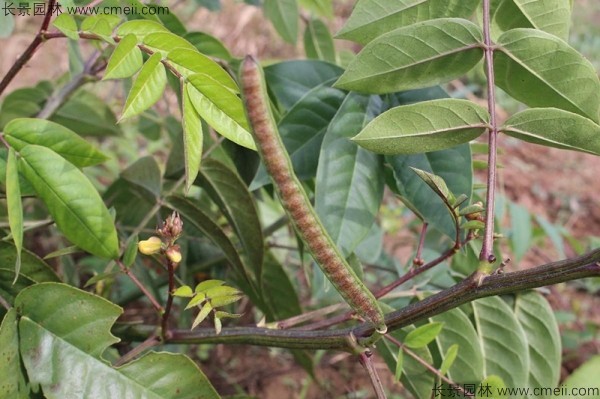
[150, 246]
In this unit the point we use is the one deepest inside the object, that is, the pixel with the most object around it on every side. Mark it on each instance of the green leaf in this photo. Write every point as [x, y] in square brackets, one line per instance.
[131, 251]
[125, 60]
[552, 16]
[13, 380]
[165, 42]
[190, 62]
[192, 138]
[503, 341]
[145, 173]
[585, 375]
[140, 28]
[101, 25]
[66, 143]
[541, 70]
[147, 88]
[15, 209]
[302, 130]
[543, 338]
[459, 332]
[292, 80]
[231, 194]
[207, 284]
[521, 230]
[349, 185]
[473, 225]
[87, 115]
[318, 43]
[280, 295]
[449, 358]
[51, 312]
[73, 249]
[32, 266]
[554, 128]
[493, 385]
[372, 18]
[399, 365]
[67, 25]
[72, 201]
[284, 15]
[399, 61]
[184, 291]
[204, 312]
[422, 336]
[220, 108]
[208, 45]
[424, 127]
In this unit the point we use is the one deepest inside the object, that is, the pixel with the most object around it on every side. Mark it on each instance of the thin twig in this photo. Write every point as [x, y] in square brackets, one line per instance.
[141, 286]
[418, 260]
[487, 249]
[295, 320]
[165, 316]
[30, 50]
[153, 340]
[365, 360]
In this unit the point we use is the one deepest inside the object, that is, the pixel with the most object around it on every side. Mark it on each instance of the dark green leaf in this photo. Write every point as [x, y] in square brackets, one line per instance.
[13, 380]
[145, 174]
[66, 143]
[318, 43]
[372, 18]
[555, 128]
[399, 61]
[125, 60]
[192, 138]
[302, 130]
[72, 201]
[424, 127]
[21, 103]
[292, 80]
[541, 70]
[284, 15]
[237, 204]
[15, 209]
[278, 291]
[73, 249]
[543, 338]
[147, 88]
[349, 185]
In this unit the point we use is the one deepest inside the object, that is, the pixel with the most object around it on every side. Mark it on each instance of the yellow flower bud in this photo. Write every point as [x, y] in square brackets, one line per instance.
[174, 254]
[150, 246]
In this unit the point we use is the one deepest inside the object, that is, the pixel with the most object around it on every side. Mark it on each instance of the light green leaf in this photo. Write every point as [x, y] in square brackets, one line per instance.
[399, 365]
[67, 25]
[13, 380]
[192, 138]
[184, 291]
[493, 386]
[208, 45]
[459, 332]
[165, 42]
[204, 312]
[220, 108]
[140, 28]
[15, 209]
[190, 62]
[543, 338]
[424, 127]
[372, 18]
[399, 61]
[521, 230]
[147, 88]
[101, 25]
[131, 251]
[552, 16]
[586, 376]
[231, 194]
[422, 336]
[207, 284]
[318, 43]
[72, 249]
[50, 313]
[349, 185]
[284, 15]
[323, 8]
[125, 60]
[541, 70]
[66, 143]
[72, 201]
[449, 358]
[555, 128]
[503, 341]
[224, 300]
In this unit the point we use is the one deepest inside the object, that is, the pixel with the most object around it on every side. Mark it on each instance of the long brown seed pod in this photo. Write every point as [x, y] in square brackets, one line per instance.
[295, 200]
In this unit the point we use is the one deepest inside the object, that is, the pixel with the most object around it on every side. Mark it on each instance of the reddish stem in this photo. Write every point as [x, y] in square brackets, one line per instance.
[165, 317]
[141, 286]
[365, 360]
